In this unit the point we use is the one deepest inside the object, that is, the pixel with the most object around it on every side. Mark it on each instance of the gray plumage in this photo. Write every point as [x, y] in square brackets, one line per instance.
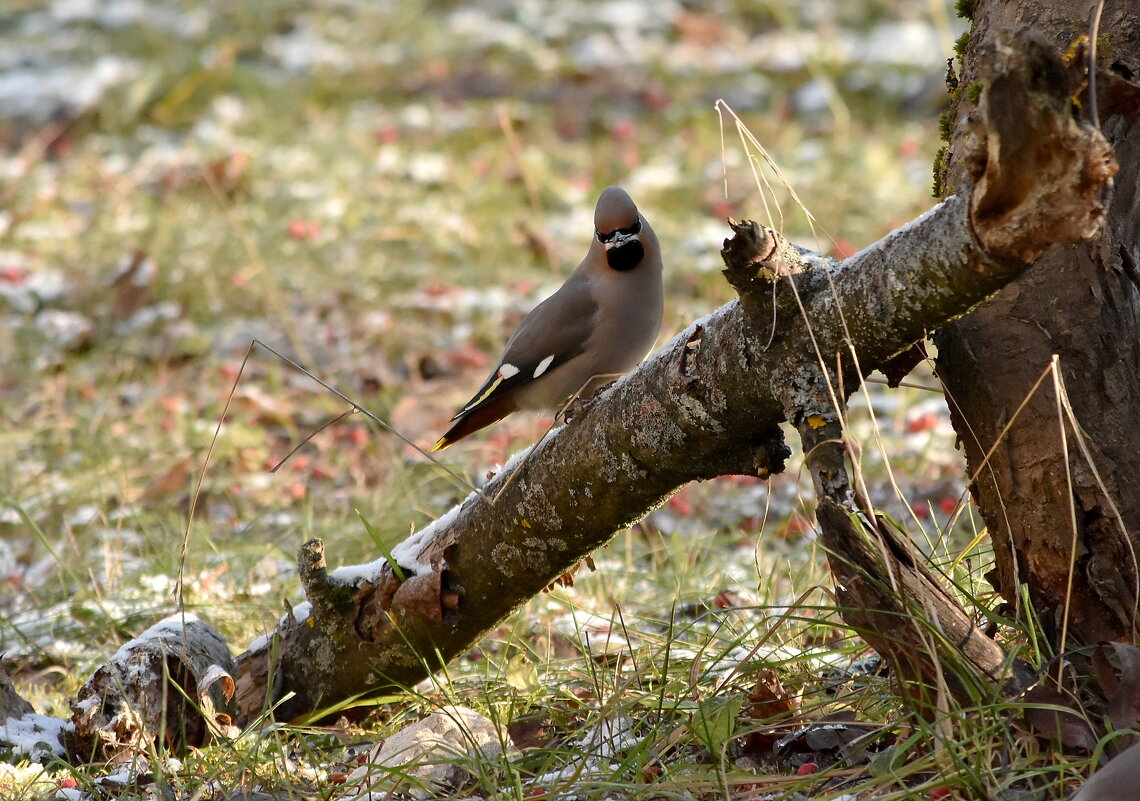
[599, 324]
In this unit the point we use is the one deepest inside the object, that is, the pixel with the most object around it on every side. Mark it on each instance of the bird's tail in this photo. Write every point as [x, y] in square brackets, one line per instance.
[480, 417]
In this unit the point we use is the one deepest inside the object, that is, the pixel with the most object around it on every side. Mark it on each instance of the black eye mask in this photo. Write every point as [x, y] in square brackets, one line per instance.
[633, 230]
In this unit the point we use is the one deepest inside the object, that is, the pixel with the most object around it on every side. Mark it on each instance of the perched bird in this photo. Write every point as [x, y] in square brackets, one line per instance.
[598, 325]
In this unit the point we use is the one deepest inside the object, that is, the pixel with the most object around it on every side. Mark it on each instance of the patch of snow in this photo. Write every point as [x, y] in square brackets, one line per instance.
[34, 735]
[261, 643]
[303, 50]
[112, 14]
[600, 747]
[147, 316]
[354, 574]
[301, 613]
[83, 516]
[654, 177]
[38, 287]
[174, 624]
[900, 43]
[64, 329]
[407, 553]
[38, 93]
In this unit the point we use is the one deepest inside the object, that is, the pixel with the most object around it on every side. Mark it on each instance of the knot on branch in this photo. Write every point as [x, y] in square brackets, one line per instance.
[330, 598]
[755, 258]
[769, 453]
[762, 456]
[1040, 176]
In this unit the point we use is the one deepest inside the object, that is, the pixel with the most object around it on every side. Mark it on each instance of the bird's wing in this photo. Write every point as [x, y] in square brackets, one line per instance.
[554, 332]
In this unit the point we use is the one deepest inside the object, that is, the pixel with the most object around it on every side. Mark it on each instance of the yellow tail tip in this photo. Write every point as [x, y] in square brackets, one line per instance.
[439, 446]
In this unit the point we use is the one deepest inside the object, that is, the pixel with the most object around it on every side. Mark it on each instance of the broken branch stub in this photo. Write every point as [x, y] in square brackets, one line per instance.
[899, 606]
[1040, 176]
[756, 257]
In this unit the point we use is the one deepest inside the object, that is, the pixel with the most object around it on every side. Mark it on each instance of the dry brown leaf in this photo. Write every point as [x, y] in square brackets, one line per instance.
[769, 701]
[174, 481]
[1066, 725]
[131, 284]
[531, 732]
[703, 30]
[1123, 693]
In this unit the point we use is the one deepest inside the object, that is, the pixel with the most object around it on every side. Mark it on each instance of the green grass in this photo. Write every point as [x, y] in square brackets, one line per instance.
[374, 221]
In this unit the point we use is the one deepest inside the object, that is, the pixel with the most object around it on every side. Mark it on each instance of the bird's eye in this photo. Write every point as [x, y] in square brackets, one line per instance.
[633, 230]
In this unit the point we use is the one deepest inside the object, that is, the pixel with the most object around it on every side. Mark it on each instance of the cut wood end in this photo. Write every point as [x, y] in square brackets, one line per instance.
[421, 595]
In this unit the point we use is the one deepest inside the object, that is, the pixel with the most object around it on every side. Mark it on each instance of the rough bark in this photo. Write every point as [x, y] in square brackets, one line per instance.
[1072, 545]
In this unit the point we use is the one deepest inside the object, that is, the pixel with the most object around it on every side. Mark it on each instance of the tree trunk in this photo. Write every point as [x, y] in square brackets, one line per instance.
[1061, 501]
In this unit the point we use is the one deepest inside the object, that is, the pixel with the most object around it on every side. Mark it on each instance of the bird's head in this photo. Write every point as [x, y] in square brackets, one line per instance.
[617, 226]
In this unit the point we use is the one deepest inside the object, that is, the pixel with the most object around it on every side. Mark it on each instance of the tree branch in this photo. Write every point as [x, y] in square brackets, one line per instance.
[707, 403]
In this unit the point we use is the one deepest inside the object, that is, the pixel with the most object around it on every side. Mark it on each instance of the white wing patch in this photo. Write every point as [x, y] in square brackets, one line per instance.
[508, 370]
[542, 365]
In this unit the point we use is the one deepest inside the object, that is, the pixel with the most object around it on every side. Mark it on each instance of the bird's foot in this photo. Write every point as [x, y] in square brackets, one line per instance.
[575, 407]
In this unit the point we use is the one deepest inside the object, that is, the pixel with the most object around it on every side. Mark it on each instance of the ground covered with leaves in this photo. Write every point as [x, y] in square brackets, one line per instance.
[380, 191]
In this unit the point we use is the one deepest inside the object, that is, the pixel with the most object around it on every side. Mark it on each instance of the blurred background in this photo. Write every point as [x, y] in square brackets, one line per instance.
[381, 191]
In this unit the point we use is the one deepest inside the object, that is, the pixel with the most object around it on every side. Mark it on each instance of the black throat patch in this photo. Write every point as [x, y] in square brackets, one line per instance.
[625, 257]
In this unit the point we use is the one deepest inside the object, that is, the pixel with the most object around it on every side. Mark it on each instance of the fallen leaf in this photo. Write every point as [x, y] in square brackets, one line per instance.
[1062, 725]
[769, 701]
[132, 282]
[1123, 693]
[531, 732]
[837, 734]
[702, 30]
[715, 721]
[173, 481]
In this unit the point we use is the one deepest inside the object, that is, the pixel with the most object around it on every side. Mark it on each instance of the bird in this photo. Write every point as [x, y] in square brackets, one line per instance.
[599, 325]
